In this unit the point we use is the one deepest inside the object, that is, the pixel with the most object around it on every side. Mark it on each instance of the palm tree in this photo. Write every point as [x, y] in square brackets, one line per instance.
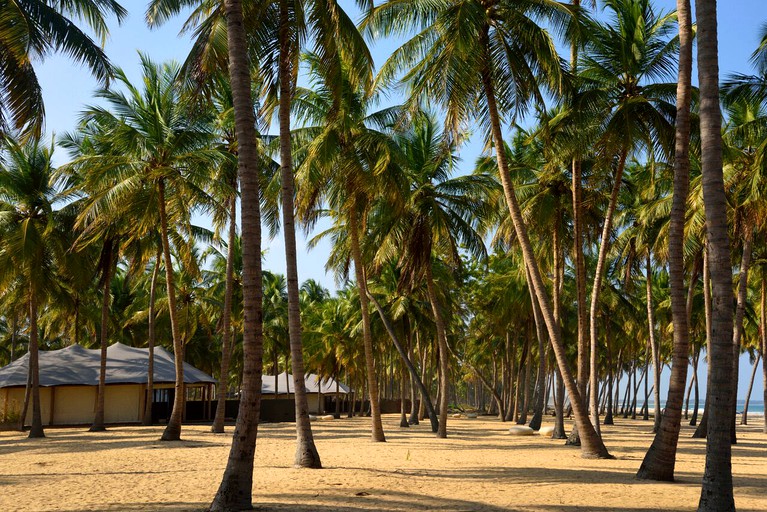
[341, 151]
[32, 30]
[150, 150]
[338, 42]
[744, 140]
[236, 488]
[34, 241]
[458, 58]
[436, 219]
[716, 491]
[660, 459]
[623, 61]
[224, 188]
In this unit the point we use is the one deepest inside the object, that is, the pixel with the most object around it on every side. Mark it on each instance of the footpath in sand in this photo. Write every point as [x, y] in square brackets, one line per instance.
[478, 468]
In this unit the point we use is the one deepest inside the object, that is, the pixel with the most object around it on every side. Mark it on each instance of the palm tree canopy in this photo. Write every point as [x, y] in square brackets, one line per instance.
[32, 29]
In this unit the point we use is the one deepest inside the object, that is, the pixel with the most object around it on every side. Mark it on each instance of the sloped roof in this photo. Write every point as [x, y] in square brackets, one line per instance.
[313, 384]
[80, 366]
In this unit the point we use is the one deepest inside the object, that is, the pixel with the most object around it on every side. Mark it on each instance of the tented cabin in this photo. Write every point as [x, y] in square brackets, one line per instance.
[69, 382]
[317, 389]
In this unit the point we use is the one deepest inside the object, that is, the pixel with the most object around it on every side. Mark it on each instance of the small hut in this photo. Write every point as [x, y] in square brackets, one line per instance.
[281, 386]
[69, 380]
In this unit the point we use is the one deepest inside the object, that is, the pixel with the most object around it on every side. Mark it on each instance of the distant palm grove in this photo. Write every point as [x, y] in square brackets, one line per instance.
[615, 225]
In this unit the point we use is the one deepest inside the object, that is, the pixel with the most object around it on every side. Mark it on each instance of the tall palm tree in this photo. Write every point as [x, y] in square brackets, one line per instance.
[341, 149]
[716, 491]
[150, 151]
[338, 42]
[745, 150]
[32, 30]
[236, 488]
[459, 59]
[623, 60]
[34, 241]
[660, 459]
[436, 219]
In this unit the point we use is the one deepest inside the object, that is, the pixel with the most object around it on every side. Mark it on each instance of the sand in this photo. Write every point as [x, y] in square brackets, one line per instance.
[478, 468]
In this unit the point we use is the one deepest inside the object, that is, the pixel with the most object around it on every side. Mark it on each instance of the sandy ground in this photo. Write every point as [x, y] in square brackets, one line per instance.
[478, 468]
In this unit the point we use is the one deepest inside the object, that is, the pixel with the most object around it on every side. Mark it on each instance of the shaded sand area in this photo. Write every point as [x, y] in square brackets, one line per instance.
[478, 468]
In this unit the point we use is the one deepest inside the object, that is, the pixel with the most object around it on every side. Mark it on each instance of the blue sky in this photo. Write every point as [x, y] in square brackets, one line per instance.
[67, 88]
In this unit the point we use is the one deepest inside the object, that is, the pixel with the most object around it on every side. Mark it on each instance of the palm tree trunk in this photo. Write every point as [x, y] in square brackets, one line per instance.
[591, 443]
[559, 395]
[443, 350]
[702, 429]
[413, 419]
[597, 287]
[27, 395]
[306, 452]
[763, 336]
[744, 418]
[660, 459]
[36, 429]
[696, 355]
[609, 349]
[535, 421]
[226, 335]
[493, 392]
[559, 268]
[407, 362]
[377, 433]
[75, 326]
[150, 367]
[173, 428]
[509, 378]
[403, 397]
[14, 328]
[236, 489]
[522, 419]
[580, 287]
[98, 421]
[425, 370]
[645, 408]
[579, 263]
[737, 334]
[716, 491]
[653, 344]
[696, 402]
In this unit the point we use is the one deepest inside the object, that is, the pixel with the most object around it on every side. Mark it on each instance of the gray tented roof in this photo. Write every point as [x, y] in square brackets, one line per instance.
[78, 366]
[313, 384]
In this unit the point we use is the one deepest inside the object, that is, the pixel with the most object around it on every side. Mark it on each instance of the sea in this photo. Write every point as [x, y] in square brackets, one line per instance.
[755, 407]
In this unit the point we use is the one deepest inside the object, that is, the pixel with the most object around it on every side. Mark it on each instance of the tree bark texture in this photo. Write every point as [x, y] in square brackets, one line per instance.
[236, 489]
[716, 491]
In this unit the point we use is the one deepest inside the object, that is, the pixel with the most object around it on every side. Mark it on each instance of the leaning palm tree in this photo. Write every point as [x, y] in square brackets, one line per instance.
[435, 221]
[716, 491]
[32, 30]
[660, 459]
[150, 151]
[34, 241]
[459, 59]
